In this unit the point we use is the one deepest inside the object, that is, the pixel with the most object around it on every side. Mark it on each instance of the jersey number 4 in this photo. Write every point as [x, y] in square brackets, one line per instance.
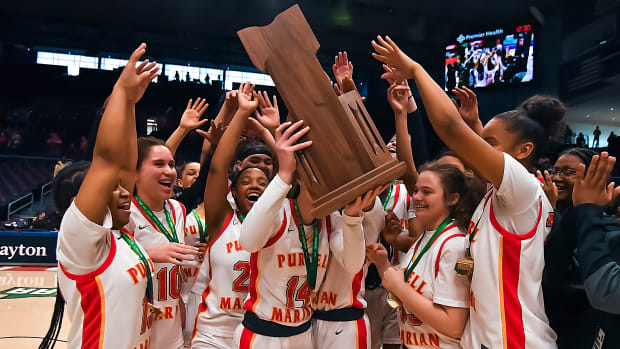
[241, 282]
[169, 281]
[293, 293]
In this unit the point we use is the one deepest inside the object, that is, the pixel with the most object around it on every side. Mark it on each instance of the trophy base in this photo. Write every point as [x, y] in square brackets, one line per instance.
[338, 198]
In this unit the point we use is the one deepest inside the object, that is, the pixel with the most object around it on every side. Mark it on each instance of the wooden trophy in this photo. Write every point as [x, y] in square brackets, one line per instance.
[347, 157]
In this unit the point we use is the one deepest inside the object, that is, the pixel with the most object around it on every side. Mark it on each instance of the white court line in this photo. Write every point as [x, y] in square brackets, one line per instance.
[52, 269]
[5, 268]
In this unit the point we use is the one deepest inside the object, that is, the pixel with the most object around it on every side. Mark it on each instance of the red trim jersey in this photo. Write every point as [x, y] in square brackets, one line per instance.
[344, 288]
[166, 332]
[226, 270]
[401, 203]
[192, 237]
[434, 278]
[103, 283]
[279, 289]
[506, 307]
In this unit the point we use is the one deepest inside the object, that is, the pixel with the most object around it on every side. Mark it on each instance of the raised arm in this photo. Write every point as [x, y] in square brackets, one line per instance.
[216, 205]
[347, 242]
[265, 217]
[399, 96]
[116, 132]
[189, 120]
[442, 113]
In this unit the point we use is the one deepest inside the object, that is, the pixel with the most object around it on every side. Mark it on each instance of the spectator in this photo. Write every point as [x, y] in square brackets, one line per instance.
[54, 143]
[598, 245]
[597, 135]
[581, 140]
[611, 137]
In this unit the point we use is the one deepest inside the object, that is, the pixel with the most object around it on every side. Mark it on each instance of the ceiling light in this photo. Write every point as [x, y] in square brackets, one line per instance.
[612, 109]
[613, 119]
[587, 116]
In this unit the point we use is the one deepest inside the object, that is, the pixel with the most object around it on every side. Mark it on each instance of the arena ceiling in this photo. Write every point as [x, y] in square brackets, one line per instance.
[205, 30]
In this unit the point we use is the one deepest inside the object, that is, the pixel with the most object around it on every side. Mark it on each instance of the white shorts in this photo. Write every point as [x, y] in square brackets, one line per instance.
[191, 311]
[208, 341]
[246, 339]
[341, 334]
[383, 319]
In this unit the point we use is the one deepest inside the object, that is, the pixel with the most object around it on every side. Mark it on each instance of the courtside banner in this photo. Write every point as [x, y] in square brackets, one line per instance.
[28, 247]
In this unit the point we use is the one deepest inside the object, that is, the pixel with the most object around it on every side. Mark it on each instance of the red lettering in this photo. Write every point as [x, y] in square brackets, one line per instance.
[422, 339]
[238, 246]
[300, 257]
[237, 305]
[134, 274]
[433, 339]
[229, 247]
[409, 342]
[296, 317]
[287, 317]
[141, 269]
[281, 259]
[422, 284]
[276, 314]
[225, 303]
[292, 260]
[169, 313]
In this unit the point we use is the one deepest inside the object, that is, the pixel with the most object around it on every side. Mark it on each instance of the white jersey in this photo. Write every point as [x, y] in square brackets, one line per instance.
[279, 289]
[103, 283]
[166, 331]
[340, 288]
[434, 278]
[227, 269]
[401, 203]
[507, 309]
[192, 237]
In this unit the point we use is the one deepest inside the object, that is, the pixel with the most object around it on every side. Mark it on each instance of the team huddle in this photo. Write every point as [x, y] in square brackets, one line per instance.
[448, 256]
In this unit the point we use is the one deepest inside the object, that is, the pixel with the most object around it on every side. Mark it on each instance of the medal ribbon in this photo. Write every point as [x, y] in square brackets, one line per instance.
[387, 198]
[149, 278]
[311, 264]
[442, 227]
[201, 229]
[158, 225]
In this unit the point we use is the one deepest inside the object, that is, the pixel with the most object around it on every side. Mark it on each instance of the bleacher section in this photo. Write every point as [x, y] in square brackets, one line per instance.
[23, 175]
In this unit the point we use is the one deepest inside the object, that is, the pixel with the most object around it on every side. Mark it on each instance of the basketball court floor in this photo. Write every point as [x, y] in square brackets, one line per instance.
[27, 296]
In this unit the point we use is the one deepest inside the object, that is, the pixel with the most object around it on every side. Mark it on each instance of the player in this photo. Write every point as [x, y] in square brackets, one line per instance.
[158, 224]
[224, 275]
[287, 268]
[434, 299]
[104, 274]
[508, 229]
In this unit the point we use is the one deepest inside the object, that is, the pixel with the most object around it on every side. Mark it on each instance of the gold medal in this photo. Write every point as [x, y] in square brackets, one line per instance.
[464, 266]
[314, 300]
[155, 310]
[393, 301]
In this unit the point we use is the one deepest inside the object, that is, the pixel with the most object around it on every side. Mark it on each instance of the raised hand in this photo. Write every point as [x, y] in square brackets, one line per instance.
[392, 228]
[469, 104]
[411, 105]
[134, 80]
[231, 100]
[215, 132]
[244, 97]
[592, 187]
[286, 145]
[253, 129]
[342, 67]
[267, 113]
[191, 116]
[398, 97]
[354, 208]
[386, 51]
[172, 252]
[550, 189]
